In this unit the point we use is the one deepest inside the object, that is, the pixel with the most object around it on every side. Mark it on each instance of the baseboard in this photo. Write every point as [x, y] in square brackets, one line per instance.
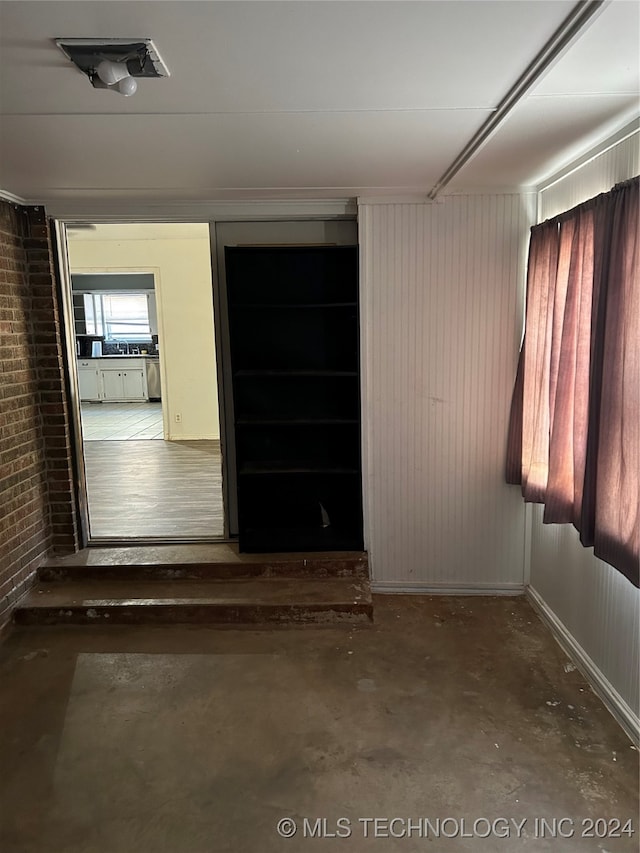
[430, 588]
[621, 710]
[181, 437]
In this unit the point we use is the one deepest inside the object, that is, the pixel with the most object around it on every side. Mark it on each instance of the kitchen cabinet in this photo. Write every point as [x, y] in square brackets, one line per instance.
[114, 380]
[112, 384]
[89, 381]
[294, 339]
[120, 385]
[134, 385]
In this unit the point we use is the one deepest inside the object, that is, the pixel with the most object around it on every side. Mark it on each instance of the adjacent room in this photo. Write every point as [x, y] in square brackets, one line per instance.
[319, 413]
[146, 364]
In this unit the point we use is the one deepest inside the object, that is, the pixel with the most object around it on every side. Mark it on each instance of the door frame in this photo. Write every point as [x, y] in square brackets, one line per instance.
[64, 212]
[70, 367]
[298, 230]
[65, 295]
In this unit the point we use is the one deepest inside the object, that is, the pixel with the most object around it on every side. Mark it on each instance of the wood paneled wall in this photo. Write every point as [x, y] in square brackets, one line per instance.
[442, 308]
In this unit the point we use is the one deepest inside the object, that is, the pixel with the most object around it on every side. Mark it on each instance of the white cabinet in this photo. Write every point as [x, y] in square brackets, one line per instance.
[112, 384]
[123, 385]
[89, 381]
[135, 386]
[114, 380]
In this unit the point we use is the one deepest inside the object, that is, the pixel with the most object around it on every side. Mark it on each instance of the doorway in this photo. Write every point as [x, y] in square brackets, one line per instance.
[247, 233]
[145, 361]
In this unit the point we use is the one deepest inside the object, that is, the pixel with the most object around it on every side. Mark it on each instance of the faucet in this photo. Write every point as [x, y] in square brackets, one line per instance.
[120, 348]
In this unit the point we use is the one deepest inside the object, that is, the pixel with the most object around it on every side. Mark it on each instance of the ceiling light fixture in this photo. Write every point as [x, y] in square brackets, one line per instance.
[114, 63]
[116, 74]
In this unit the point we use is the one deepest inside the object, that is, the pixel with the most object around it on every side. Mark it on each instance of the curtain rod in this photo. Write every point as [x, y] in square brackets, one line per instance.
[575, 21]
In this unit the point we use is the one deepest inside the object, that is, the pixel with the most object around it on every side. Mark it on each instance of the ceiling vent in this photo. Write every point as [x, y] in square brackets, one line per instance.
[114, 63]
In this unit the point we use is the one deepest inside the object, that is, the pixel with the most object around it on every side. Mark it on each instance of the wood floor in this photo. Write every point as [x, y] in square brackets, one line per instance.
[154, 489]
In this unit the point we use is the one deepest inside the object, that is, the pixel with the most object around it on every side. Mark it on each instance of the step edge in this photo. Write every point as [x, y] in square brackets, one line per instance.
[52, 574]
[208, 614]
[160, 603]
[58, 561]
[48, 575]
[142, 587]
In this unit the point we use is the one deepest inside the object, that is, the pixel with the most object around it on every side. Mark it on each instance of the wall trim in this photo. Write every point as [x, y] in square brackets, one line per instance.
[528, 531]
[613, 701]
[126, 209]
[421, 198]
[197, 437]
[427, 588]
[5, 195]
[624, 133]
[393, 198]
[98, 211]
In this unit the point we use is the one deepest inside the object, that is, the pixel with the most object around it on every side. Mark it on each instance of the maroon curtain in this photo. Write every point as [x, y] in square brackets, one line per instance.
[574, 433]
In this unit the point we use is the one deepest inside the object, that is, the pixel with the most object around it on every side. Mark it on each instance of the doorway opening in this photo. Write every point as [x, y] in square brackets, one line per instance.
[142, 322]
[260, 447]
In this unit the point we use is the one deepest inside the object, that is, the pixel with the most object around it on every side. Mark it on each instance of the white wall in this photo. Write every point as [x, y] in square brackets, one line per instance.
[598, 607]
[442, 299]
[182, 266]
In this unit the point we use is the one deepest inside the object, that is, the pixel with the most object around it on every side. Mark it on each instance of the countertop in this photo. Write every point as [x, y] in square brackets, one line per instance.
[119, 355]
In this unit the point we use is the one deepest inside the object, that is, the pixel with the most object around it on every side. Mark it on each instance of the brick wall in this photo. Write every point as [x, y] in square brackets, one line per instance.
[37, 505]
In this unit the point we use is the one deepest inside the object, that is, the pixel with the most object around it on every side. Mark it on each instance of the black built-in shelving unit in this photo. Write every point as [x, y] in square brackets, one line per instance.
[293, 324]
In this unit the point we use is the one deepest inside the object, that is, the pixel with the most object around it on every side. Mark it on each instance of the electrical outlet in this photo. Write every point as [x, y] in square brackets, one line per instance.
[178, 418]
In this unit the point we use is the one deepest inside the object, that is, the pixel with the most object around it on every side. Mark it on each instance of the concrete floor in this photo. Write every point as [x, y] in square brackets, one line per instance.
[195, 740]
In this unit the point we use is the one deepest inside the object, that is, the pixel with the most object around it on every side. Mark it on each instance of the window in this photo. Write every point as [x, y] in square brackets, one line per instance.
[118, 316]
[573, 437]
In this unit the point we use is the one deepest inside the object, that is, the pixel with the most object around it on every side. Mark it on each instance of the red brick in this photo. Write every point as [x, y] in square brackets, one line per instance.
[36, 479]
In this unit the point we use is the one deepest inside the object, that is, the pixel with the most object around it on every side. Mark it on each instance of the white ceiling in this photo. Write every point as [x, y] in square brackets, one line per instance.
[305, 99]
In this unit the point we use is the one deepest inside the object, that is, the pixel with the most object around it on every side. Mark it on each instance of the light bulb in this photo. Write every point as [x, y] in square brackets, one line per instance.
[112, 72]
[127, 86]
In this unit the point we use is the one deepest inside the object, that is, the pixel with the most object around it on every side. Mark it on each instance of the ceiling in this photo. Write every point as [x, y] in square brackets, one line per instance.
[272, 100]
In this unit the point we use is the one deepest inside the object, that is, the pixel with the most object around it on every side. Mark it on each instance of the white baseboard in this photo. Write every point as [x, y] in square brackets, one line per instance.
[429, 588]
[621, 710]
[172, 437]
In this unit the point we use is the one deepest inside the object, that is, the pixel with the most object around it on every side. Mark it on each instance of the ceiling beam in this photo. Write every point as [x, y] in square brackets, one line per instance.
[572, 25]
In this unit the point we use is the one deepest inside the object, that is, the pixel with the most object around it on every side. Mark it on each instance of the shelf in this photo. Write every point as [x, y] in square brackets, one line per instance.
[296, 422]
[294, 340]
[294, 372]
[259, 306]
[252, 469]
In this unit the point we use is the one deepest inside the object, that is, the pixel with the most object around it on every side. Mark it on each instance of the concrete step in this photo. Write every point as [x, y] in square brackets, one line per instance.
[250, 601]
[200, 562]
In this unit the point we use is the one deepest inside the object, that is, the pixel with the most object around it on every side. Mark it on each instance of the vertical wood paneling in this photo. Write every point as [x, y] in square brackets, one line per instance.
[619, 163]
[442, 295]
[597, 605]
